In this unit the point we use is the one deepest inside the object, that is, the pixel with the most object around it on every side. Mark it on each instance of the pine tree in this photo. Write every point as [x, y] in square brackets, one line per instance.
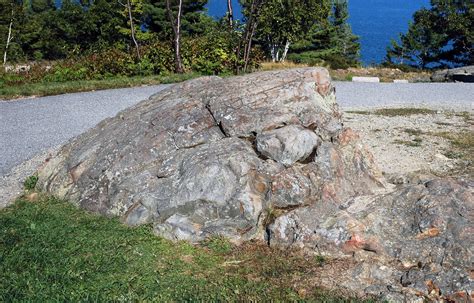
[156, 17]
[345, 41]
[331, 41]
[438, 37]
[39, 35]
[284, 22]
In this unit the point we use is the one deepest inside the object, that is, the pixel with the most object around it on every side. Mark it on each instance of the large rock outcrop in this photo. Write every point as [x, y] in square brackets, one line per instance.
[460, 74]
[413, 243]
[265, 156]
[211, 156]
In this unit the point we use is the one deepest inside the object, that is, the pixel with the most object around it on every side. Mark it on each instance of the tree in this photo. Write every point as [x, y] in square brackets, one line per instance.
[176, 26]
[251, 11]
[156, 18]
[132, 8]
[330, 40]
[441, 36]
[283, 22]
[347, 43]
[107, 21]
[40, 38]
[9, 35]
[230, 14]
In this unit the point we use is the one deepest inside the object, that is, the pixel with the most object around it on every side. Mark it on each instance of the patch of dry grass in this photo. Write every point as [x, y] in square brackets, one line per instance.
[414, 143]
[385, 74]
[394, 112]
[268, 66]
[461, 140]
[462, 144]
[413, 132]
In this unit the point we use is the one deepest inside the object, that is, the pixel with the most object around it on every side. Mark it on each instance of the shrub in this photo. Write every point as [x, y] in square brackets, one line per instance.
[328, 59]
[30, 182]
[61, 73]
[210, 54]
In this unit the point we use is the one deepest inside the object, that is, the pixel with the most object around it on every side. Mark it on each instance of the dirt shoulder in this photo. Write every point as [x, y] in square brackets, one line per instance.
[408, 141]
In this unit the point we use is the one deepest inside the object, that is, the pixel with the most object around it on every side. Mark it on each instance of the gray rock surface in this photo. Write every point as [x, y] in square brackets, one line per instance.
[266, 157]
[210, 156]
[462, 74]
[415, 242]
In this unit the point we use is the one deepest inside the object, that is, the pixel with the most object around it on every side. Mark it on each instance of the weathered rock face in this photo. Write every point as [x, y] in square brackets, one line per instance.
[460, 74]
[412, 242]
[265, 156]
[214, 155]
[211, 156]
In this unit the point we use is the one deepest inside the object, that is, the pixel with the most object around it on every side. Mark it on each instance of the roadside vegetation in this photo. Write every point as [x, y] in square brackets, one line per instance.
[72, 86]
[52, 47]
[52, 251]
[393, 112]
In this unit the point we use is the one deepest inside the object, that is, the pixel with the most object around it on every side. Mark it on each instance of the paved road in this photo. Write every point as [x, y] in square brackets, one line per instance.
[30, 126]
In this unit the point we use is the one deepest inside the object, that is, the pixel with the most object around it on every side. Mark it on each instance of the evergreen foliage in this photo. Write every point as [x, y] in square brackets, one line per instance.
[441, 36]
[283, 22]
[193, 22]
[330, 41]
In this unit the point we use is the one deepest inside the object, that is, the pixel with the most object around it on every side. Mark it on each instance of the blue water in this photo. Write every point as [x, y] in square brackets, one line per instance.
[375, 21]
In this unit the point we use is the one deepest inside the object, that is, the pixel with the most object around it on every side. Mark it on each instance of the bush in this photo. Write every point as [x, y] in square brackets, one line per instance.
[61, 73]
[111, 62]
[332, 60]
[210, 54]
[30, 182]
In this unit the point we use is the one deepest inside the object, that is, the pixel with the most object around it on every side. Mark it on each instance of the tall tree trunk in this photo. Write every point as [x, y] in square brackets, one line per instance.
[176, 25]
[230, 14]
[9, 38]
[132, 28]
[249, 47]
[246, 40]
[285, 51]
[273, 52]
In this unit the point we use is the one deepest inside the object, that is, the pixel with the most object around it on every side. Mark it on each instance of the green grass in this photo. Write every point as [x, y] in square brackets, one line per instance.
[413, 132]
[52, 251]
[394, 112]
[56, 88]
[414, 143]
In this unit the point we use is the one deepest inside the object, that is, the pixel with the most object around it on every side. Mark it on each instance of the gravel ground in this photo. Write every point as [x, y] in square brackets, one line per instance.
[32, 129]
[414, 144]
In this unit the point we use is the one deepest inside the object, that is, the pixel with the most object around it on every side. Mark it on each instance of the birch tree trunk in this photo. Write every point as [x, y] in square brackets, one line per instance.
[9, 38]
[176, 25]
[132, 28]
[273, 52]
[230, 13]
[285, 51]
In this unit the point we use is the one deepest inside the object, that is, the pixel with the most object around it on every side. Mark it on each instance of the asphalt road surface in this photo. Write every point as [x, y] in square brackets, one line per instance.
[30, 126]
